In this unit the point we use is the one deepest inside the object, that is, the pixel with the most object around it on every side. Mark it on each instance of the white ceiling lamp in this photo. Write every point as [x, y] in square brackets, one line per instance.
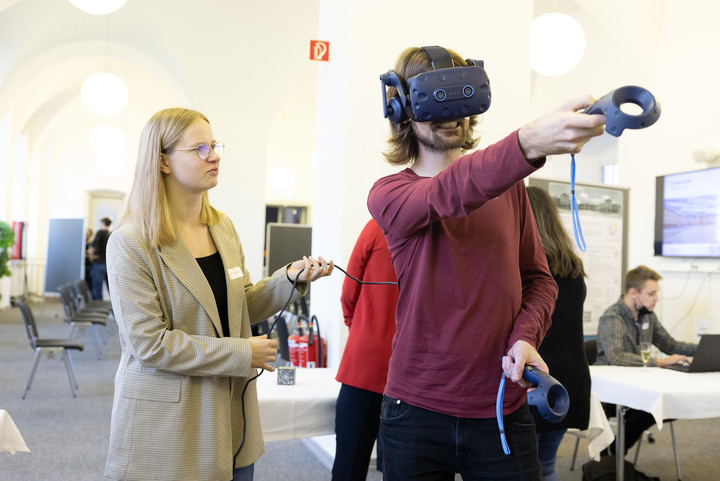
[98, 7]
[282, 178]
[110, 164]
[107, 138]
[557, 43]
[104, 94]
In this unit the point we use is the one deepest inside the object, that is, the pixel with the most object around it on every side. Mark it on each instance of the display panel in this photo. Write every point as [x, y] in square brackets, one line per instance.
[686, 214]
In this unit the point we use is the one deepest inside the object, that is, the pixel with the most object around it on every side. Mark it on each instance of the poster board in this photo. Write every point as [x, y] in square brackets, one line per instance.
[603, 212]
[65, 261]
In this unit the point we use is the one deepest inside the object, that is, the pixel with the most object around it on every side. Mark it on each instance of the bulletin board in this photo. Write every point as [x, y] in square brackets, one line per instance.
[603, 213]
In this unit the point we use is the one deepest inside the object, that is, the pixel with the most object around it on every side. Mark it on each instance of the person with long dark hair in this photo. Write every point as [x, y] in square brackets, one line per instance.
[563, 346]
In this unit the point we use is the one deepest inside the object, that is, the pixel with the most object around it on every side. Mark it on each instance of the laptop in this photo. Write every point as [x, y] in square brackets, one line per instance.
[707, 356]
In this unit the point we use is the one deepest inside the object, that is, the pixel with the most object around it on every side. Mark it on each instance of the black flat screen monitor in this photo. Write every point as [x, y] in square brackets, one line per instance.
[687, 214]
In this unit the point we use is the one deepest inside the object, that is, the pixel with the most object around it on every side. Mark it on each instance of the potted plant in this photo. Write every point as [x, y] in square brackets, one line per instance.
[7, 239]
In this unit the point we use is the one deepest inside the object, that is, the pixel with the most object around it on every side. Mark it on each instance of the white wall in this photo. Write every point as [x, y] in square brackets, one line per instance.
[245, 65]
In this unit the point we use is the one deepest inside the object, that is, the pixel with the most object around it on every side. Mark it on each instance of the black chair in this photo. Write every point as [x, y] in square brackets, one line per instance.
[47, 346]
[82, 292]
[82, 320]
[591, 351]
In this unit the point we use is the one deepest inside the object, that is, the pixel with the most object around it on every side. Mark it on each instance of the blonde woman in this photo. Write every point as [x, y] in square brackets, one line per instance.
[185, 406]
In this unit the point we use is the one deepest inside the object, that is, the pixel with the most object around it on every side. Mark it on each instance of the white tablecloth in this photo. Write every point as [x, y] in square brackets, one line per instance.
[303, 410]
[10, 439]
[308, 409]
[599, 433]
[664, 393]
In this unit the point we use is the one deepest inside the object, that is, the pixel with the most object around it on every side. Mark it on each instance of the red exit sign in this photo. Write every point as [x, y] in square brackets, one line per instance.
[320, 50]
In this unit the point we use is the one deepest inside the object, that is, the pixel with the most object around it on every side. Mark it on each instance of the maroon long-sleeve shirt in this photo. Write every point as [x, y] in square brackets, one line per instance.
[473, 279]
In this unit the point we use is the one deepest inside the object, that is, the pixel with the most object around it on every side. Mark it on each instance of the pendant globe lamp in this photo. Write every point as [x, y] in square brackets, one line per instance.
[104, 93]
[98, 7]
[557, 44]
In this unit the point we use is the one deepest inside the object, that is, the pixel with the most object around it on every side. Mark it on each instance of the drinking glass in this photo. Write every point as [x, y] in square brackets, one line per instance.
[645, 353]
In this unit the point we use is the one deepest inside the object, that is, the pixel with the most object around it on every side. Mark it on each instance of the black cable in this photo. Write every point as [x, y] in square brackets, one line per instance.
[364, 282]
[278, 317]
[242, 396]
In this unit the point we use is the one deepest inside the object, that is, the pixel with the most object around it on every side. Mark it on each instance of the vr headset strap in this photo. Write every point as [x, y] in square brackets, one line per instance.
[439, 57]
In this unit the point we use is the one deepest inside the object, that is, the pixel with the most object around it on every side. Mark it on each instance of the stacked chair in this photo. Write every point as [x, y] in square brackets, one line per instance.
[82, 319]
[48, 347]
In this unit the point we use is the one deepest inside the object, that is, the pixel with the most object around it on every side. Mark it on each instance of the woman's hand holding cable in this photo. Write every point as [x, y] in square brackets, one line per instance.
[310, 269]
[264, 351]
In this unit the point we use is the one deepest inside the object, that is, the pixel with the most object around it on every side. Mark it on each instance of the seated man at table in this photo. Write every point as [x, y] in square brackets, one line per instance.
[621, 330]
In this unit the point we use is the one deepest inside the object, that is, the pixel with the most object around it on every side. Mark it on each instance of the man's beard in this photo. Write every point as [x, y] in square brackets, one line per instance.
[439, 143]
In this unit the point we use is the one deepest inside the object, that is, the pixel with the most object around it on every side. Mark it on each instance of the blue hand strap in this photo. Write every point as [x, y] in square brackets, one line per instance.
[499, 413]
[577, 229]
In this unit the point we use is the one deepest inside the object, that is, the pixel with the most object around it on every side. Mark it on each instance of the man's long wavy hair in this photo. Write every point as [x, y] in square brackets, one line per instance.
[148, 203]
[562, 260]
[404, 147]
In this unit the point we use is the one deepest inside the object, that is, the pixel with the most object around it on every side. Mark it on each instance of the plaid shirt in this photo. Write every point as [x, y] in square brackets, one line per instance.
[620, 335]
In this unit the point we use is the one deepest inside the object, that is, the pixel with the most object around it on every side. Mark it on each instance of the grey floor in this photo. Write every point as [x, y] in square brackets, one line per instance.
[69, 437]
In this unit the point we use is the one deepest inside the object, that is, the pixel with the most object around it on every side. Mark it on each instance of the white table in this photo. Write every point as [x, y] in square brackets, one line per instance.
[307, 409]
[303, 410]
[664, 393]
[598, 433]
[10, 439]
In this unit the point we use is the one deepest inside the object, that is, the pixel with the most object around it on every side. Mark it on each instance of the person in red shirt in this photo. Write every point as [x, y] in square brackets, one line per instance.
[476, 293]
[369, 312]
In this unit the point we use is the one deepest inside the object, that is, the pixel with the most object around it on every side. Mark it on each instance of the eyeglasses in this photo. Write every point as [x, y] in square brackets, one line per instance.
[203, 150]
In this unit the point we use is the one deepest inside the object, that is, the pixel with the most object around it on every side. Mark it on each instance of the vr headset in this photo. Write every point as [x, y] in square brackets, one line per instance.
[445, 93]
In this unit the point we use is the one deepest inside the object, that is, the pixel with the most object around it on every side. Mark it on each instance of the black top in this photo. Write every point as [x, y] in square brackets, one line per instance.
[212, 267]
[564, 352]
[99, 244]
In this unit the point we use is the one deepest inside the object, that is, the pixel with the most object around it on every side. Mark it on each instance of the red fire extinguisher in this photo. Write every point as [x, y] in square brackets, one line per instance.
[293, 341]
[310, 347]
[303, 350]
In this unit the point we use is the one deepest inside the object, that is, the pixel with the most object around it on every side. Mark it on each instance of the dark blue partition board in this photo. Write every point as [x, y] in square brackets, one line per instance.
[65, 260]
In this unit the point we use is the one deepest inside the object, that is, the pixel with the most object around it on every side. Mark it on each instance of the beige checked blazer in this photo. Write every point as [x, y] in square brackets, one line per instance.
[177, 409]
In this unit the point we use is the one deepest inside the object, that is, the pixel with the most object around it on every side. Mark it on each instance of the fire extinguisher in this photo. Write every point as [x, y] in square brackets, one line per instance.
[310, 346]
[293, 348]
[294, 344]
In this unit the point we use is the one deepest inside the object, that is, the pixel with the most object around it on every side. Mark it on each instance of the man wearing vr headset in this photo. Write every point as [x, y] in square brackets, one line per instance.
[476, 293]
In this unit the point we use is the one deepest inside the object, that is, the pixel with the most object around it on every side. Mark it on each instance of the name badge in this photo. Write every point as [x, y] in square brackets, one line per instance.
[235, 273]
[645, 325]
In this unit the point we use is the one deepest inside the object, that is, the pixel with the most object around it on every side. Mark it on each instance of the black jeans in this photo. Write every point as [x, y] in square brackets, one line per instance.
[424, 445]
[357, 420]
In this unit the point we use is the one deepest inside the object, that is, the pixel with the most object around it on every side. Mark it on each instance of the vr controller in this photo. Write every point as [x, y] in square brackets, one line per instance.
[617, 120]
[550, 397]
[445, 93]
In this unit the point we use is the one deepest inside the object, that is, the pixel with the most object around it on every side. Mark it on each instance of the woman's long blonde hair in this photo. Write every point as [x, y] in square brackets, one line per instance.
[148, 203]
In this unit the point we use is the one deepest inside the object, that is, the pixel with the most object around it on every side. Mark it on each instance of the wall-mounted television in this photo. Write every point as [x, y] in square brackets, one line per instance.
[687, 214]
